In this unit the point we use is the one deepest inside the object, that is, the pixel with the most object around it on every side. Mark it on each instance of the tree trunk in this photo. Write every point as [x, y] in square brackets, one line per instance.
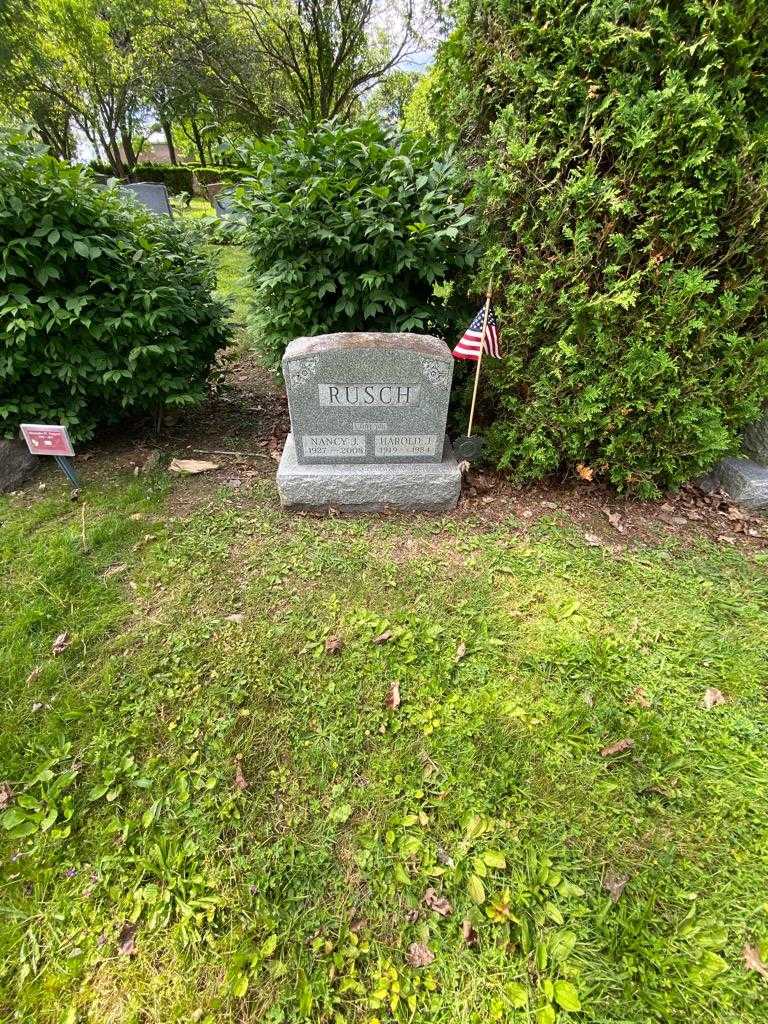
[169, 140]
[198, 142]
[130, 153]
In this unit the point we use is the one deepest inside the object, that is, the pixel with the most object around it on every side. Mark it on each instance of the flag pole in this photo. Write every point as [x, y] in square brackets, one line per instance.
[480, 355]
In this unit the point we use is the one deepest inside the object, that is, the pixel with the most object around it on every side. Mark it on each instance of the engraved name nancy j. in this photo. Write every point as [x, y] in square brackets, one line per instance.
[331, 445]
[372, 395]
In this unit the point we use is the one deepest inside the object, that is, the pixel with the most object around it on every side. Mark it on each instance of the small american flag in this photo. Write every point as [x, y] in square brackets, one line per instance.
[469, 346]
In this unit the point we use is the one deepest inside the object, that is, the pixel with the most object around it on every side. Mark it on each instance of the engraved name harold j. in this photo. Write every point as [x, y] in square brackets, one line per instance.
[371, 395]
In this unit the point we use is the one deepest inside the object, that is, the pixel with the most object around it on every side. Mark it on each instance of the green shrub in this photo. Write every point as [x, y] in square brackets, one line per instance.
[105, 309]
[618, 149]
[351, 230]
[229, 175]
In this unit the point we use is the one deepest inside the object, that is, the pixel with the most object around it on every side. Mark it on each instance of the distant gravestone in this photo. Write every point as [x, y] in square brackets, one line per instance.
[224, 202]
[745, 479]
[212, 189]
[756, 440]
[368, 414]
[17, 466]
[745, 482]
[150, 194]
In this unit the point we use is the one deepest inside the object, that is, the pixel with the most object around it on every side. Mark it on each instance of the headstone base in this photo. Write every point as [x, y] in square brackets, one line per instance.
[745, 482]
[421, 486]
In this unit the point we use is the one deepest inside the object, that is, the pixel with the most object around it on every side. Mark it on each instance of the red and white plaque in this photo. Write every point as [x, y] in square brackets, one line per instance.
[47, 439]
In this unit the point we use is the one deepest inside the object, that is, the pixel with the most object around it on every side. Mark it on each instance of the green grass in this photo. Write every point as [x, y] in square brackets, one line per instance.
[298, 897]
[232, 263]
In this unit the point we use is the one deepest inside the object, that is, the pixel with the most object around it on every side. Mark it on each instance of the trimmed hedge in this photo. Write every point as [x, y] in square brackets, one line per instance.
[175, 179]
[619, 158]
[180, 178]
[229, 175]
[105, 309]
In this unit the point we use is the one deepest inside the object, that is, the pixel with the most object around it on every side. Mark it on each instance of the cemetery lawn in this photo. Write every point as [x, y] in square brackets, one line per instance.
[217, 810]
[280, 760]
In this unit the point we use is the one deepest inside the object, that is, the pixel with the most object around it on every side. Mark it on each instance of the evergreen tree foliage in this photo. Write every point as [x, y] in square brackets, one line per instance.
[617, 150]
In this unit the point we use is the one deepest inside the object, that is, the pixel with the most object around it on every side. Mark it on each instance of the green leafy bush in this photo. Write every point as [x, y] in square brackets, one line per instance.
[351, 230]
[105, 309]
[618, 151]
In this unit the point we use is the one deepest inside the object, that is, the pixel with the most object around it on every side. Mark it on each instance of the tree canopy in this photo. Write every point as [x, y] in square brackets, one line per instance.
[197, 69]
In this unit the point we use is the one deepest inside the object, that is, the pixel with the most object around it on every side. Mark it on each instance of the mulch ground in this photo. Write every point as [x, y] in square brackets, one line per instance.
[242, 428]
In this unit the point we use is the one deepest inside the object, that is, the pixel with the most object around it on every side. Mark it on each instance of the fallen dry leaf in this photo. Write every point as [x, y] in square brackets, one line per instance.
[585, 472]
[615, 885]
[419, 955]
[126, 940]
[619, 747]
[383, 637]
[593, 540]
[236, 617]
[6, 795]
[60, 644]
[640, 697]
[461, 650]
[468, 932]
[333, 644]
[713, 697]
[34, 674]
[753, 961]
[192, 466]
[393, 696]
[439, 904]
[114, 570]
[240, 781]
[615, 520]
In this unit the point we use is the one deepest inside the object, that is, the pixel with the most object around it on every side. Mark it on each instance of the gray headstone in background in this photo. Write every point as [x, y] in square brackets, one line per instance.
[17, 465]
[368, 414]
[744, 481]
[756, 440]
[223, 202]
[368, 398]
[150, 194]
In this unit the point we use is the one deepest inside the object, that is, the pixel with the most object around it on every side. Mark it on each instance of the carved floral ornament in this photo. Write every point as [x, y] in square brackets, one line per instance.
[436, 372]
[303, 370]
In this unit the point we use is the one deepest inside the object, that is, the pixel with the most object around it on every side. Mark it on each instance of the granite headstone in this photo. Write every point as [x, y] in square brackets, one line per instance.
[223, 202]
[150, 194]
[368, 414]
[756, 439]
